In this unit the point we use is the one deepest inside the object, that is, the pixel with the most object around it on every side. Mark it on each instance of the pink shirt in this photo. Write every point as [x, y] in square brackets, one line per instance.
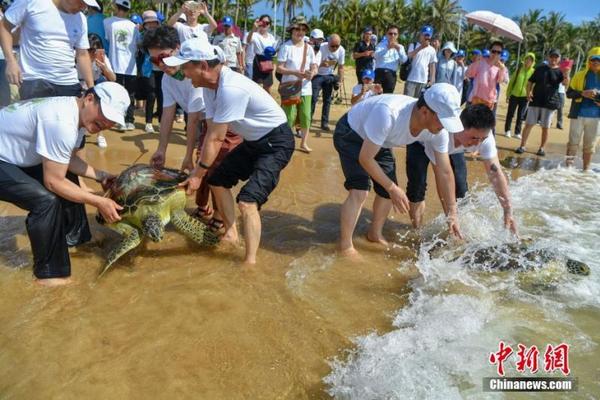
[486, 77]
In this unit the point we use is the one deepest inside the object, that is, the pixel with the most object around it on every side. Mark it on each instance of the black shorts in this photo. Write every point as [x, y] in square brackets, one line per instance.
[263, 78]
[348, 144]
[259, 162]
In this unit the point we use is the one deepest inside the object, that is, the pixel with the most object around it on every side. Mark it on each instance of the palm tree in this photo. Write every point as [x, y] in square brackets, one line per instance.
[445, 16]
[417, 14]
[552, 30]
[379, 14]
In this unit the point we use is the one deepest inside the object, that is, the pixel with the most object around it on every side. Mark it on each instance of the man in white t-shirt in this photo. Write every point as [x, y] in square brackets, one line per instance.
[478, 121]
[364, 138]
[38, 139]
[192, 28]
[123, 35]
[53, 37]
[423, 59]
[235, 102]
[231, 46]
[332, 54]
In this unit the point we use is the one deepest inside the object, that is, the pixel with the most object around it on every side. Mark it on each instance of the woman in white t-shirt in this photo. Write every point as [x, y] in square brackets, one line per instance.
[296, 61]
[258, 40]
[190, 11]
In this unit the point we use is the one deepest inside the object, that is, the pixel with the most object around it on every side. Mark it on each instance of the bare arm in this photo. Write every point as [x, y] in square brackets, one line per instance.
[166, 124]
[85, 66]
[192, 138]
[500, 184]
[173, 20]
[530, 86]
[81, 168]
[444, 179]
[212, 24]
[13, 71]
[432, 73]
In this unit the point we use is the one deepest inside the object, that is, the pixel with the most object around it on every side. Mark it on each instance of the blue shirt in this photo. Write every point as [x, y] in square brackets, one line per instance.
[96, 25]
[588, 108]
[389, 58]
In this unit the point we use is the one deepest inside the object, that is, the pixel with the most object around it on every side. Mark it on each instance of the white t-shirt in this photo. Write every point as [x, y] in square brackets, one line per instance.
[248, 50]
[231, 46]
[385, 121]
[122, 34]
[183, 93]
[185, 32]
[36, 128]
[49, 38]
[290, 56]
[358, 88]
[487, 148]
[260, 42]
[419, 71]
[248, 109]
[96, 71]
[334, 58]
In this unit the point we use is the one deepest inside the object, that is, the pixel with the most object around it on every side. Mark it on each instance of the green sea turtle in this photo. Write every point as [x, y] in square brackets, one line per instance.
[151, 199]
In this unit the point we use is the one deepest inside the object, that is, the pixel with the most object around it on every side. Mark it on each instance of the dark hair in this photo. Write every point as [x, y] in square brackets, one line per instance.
[497, 43]
[121, 8]
[421, 103]
[93, 92]
[478, 116]
[265, 16]
[163, 37]
[392, 27]
[95, 42]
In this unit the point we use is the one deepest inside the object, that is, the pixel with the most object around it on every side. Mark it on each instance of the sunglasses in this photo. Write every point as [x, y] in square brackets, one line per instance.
[159, 58]
[496, 51]
[265, 23]
[393, 33]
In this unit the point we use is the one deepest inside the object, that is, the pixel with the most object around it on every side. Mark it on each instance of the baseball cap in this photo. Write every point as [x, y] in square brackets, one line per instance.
[317, 34]
[123, 3]
[476, 52]
[368, 73]
[460, 53]
[114, 101]
[150, 16]
[195, 49]
[485, 53]
[269, 52]
[227, 21]
[367, 29]
[554, 52]
[444, 100]
[160, 16]
[136, 19]
[504, 56]
[427, 30]
[92, 3]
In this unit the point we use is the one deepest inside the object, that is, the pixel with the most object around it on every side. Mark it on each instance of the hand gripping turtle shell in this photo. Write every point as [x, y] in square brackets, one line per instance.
[151, 199]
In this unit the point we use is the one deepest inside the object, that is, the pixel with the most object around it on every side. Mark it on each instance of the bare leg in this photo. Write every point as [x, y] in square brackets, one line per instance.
[525, 135]
[252, 227]
[226, 205]
[544, 137]
[303, 143]
[349, 214]
[51, 282]
[381, 210]
[416, 211]
[587, 159]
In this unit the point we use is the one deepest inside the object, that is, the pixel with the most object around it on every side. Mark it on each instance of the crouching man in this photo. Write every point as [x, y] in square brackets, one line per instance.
[38, 138]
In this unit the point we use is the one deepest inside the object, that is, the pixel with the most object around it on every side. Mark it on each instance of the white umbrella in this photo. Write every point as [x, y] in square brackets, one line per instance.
[496, 24]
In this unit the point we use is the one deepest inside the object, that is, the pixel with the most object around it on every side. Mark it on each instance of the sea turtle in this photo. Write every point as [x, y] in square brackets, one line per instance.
[151, 199]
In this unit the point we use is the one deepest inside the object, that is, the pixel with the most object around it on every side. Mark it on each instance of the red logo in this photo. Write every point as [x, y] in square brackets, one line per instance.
[555, 358]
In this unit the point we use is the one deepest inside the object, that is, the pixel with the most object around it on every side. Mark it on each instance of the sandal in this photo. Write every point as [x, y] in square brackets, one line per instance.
[216, 226]
[203, 214]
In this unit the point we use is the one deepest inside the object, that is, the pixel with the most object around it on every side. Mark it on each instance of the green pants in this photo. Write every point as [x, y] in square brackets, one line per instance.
[301, 110]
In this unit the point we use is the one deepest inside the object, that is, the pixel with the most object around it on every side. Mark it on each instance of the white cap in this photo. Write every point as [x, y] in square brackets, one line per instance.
[122, 3]
[195, 49]
[114, 101]
[444, 100]
[92, 3]
[317, 34]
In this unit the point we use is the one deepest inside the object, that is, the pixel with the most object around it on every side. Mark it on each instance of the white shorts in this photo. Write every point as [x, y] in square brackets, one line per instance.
[535, 114]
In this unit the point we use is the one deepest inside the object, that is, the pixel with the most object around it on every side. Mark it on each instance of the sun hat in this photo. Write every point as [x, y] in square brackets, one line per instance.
[195, 49]
[297, 22]
[367, 73]
[150, 16]
[317, 34]
[449, 46]
[114, 101]
[123, 3]
[444, 100]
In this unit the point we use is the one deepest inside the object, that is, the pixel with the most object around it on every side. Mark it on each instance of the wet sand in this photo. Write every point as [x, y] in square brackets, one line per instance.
[171, 320]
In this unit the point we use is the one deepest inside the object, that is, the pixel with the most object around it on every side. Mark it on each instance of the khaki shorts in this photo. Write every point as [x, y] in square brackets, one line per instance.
[590, 128]
[535, 114]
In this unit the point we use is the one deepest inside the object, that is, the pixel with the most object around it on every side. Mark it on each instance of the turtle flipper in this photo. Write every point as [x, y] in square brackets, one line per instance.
[192, 228]
[131, 239]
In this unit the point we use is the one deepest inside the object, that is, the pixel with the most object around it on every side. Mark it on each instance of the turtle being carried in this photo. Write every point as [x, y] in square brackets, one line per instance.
[151, 199]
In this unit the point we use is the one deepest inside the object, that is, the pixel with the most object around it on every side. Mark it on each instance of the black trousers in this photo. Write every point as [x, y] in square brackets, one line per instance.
[324, 82]
[36, 88]
[49, 222]
[518, 104]
[386, 78]
[130, 83]
[146, 90]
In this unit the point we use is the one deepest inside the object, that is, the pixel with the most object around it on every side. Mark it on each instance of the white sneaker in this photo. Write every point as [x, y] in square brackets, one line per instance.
[507, 134]
[149, 128]
[102, 142]
[129, 126]
[121, 128]
[518, 136]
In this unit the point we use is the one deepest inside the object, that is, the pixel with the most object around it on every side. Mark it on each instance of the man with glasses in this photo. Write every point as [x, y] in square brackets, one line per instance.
[478, 121]
[332, 54]
[543, 97]
[389, 55]
[486, 74]
[363, 53]
[423, 59]
[161, 43]
[38, 139]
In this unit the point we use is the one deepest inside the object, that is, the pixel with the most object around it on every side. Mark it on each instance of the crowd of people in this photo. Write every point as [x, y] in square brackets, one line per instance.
[83, 75]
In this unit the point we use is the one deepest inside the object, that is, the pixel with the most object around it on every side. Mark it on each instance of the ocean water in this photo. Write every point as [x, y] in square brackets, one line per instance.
[441, 341]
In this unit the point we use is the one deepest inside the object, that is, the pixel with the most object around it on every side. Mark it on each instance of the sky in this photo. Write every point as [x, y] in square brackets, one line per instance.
[576, 11]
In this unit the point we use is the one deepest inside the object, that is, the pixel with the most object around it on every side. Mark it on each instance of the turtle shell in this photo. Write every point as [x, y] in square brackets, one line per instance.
[144, 183]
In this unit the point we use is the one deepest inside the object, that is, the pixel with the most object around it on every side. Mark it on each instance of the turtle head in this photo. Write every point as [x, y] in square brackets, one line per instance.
[577, 267]
[153, 228]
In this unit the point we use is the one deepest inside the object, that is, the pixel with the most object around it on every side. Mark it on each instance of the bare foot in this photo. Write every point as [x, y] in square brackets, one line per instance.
[377, 239]
[52, 282]
[305, 149]
[350, 253]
